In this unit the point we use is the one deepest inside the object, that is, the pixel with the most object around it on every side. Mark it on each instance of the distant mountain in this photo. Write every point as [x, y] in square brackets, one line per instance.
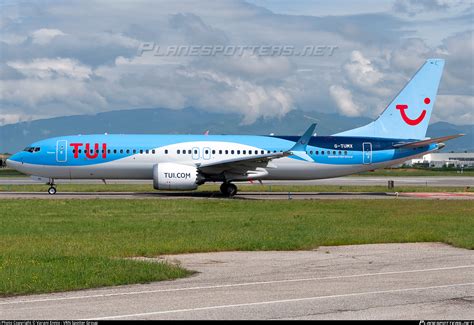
[14, 137]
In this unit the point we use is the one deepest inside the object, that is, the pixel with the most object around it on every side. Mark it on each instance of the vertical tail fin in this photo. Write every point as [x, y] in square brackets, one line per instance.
[408, 115]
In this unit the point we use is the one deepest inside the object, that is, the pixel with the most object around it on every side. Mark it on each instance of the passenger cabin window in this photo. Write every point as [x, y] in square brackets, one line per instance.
[166, 151]
[153, 151]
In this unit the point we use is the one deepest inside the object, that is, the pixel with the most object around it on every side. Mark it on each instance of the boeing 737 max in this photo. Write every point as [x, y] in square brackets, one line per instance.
[183, 162]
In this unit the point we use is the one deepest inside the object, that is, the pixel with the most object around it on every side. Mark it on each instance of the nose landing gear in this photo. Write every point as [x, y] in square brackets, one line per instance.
[52, 188]
[228, 189]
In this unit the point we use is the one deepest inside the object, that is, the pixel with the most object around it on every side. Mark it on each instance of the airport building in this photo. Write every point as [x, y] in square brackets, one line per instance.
[452, 159]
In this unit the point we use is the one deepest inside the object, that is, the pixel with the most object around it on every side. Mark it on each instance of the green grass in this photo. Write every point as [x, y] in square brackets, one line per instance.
[27, 273]
[242, 188]
[7, 172]
[59, 245]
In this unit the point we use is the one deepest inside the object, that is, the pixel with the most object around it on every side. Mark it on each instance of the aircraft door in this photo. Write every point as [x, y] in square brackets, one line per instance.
[61, 151]
[195, 153]
[367, 152]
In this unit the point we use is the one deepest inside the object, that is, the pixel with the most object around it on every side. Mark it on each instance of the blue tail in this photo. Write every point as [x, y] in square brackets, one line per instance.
[408, 115]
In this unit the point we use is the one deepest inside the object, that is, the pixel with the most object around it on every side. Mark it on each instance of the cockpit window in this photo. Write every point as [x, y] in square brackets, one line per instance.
[32, 149]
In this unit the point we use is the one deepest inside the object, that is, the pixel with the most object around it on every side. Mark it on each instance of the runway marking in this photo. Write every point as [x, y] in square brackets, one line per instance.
[233, 285]
[280, 301]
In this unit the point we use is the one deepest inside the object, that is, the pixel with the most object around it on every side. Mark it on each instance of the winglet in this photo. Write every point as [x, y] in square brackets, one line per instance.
[304, 140]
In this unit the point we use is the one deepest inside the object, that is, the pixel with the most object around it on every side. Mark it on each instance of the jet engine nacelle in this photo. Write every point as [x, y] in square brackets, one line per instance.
[170, 176]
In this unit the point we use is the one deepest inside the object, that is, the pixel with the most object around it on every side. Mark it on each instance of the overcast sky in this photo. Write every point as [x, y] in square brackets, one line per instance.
[81, 57]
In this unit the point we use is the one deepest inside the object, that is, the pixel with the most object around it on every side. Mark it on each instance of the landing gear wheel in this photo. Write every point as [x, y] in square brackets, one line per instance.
[228, 189]
[52, 190]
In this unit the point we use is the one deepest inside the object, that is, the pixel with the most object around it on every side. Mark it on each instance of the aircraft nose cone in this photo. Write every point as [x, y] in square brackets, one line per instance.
[12, 163]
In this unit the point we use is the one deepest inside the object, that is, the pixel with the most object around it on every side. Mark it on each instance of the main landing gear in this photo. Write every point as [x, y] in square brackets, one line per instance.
[228, 189]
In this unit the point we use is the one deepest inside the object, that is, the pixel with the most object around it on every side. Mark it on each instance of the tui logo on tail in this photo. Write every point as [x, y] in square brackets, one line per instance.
[408, 120]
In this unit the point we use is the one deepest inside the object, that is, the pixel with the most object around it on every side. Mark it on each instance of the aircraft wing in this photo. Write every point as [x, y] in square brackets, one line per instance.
[241, 164]
[422, 143]
[250, 165]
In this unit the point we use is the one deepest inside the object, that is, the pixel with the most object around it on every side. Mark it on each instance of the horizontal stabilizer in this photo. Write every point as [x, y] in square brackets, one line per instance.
[426, 142]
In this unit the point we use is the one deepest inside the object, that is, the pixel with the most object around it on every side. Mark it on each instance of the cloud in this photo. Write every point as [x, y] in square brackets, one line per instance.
[411, 54]
[413, 7]
[456, 109]
[44, 35]
[10, 118]
[343, 98]
[361, 72]
[63, 58]
[458, 50]
[44, 68]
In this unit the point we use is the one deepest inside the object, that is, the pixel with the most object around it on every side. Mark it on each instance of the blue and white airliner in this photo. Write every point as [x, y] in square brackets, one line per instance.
[183, 162]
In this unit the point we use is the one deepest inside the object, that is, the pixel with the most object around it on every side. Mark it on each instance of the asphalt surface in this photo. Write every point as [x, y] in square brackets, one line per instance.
[359, 181]
[239, 196]
[383, 281]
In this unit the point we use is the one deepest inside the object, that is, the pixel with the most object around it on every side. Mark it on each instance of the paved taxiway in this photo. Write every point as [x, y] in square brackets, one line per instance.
[383, 281]
[357, 181]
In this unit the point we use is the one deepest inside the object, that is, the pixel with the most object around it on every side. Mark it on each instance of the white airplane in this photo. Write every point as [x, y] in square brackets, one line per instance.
[183, 162]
